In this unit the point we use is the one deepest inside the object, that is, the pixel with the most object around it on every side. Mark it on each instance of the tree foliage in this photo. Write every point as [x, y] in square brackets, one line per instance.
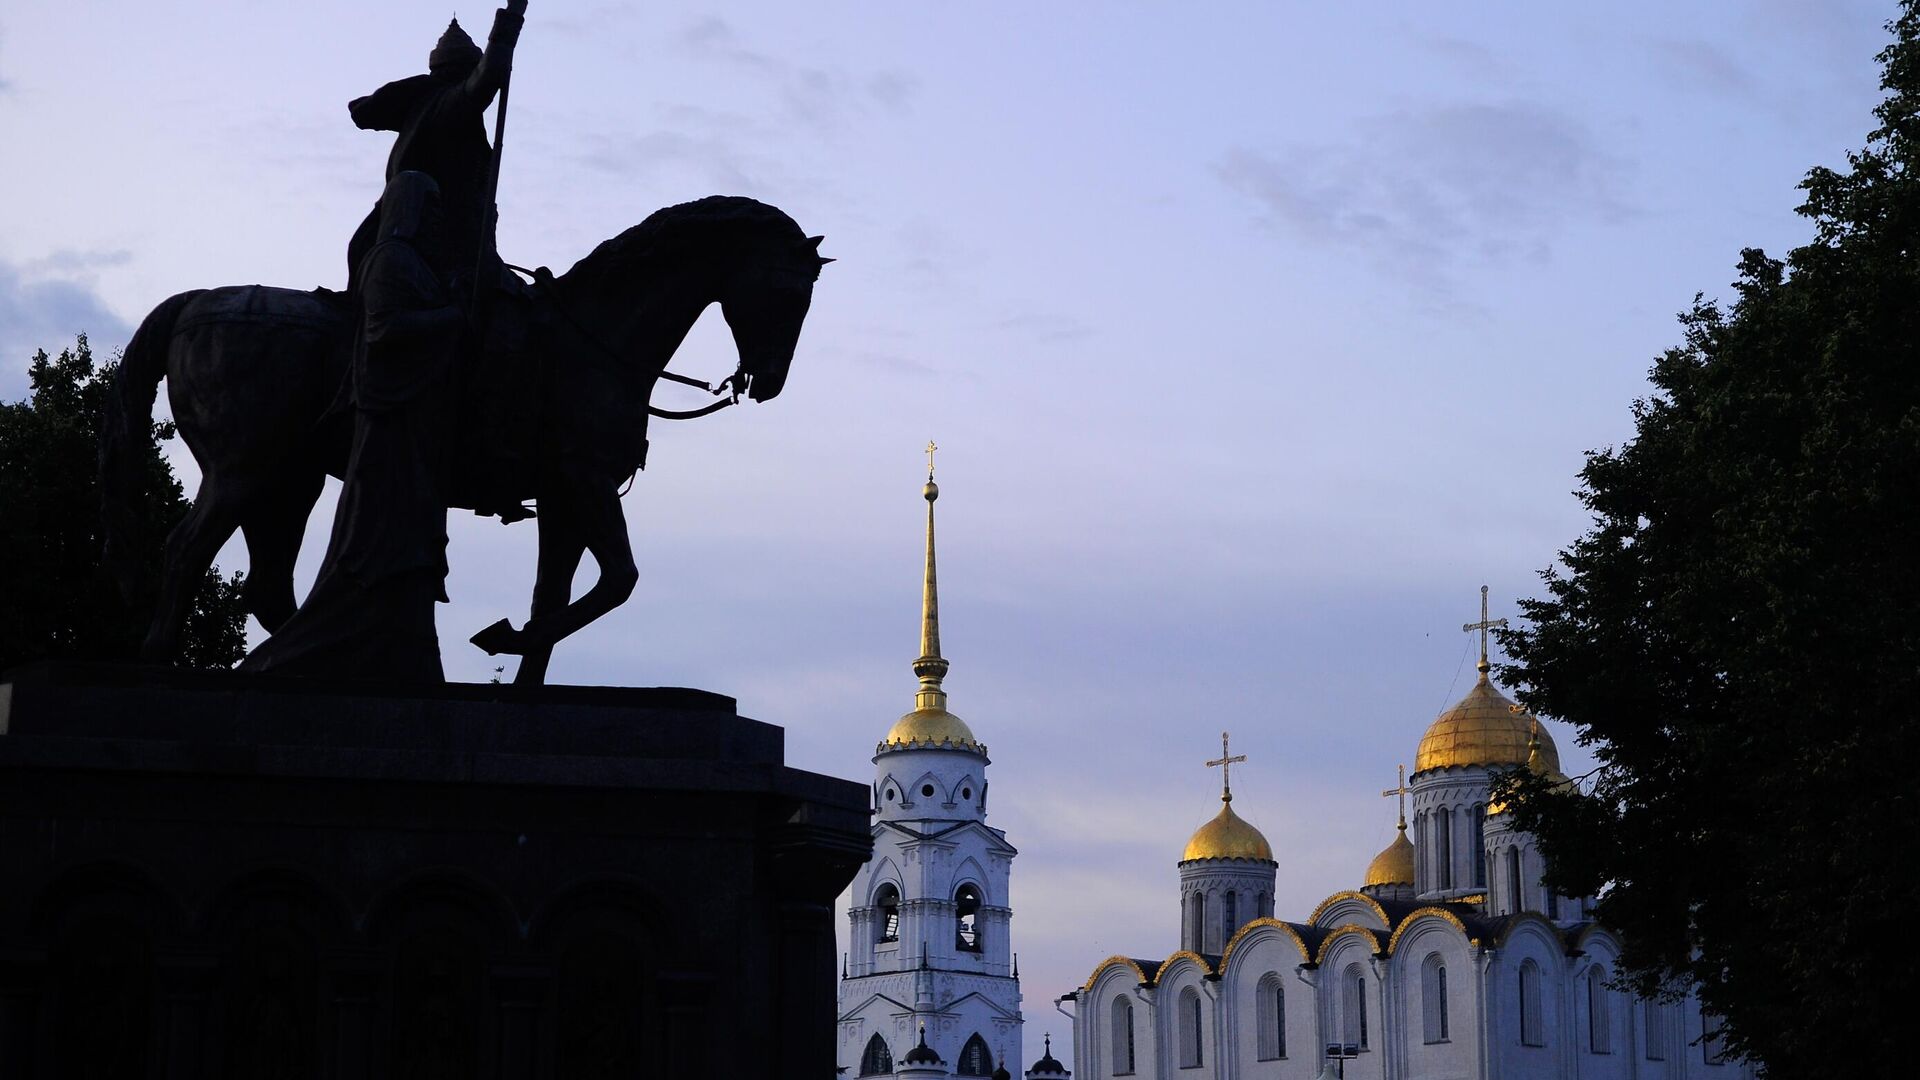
[57, 602]
[1738, 636]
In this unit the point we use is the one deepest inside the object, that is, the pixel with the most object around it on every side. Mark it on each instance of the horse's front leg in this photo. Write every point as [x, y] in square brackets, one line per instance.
[592, 502]
[561, 546]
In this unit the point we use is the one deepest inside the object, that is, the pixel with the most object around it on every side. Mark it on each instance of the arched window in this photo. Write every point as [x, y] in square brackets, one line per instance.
[1433, 999]
[1228, 917]
[1513, 881]
[966, 909]
[877, 1060]
[1656, 1034]
[1553, 904]
[975, 1058]
[1532, 1025]
[1272, 1010]
[1443, 847]
[1122, 1037]
[1422, 864]
[1353, 1007]
[887, 900]
[1197, 939]
[1266, 907]
[1189, 1020]
[1599, 1018]
[1479, 842]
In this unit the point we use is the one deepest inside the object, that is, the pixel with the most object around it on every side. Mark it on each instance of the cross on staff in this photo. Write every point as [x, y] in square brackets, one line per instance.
[1225, 762]
[1483, 626]
[930, 449]
[1400, 789]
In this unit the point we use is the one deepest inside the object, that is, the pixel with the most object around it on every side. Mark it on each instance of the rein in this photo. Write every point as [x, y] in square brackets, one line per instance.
[543, 278]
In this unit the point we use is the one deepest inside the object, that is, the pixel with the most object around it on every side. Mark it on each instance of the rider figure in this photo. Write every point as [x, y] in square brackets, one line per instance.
[440, 118]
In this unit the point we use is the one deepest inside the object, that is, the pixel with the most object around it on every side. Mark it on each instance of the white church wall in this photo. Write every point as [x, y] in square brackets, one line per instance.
[1436, 1013]
[1266, 956]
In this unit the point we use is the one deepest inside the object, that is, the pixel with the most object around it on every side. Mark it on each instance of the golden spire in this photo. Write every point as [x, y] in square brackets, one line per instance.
[1483, 626]
[930, 666]
[1400, 789]
[1226, 766]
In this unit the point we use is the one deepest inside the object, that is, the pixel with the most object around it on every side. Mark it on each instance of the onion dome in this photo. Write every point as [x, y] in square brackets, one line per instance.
[922, 1054]
[1048, 1067]
[1394, 865]
[1485, 728]
[1536, 764]
[1228, 836]
[930, 725]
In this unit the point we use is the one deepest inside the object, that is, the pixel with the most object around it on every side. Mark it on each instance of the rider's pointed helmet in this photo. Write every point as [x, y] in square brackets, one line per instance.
[455, 51]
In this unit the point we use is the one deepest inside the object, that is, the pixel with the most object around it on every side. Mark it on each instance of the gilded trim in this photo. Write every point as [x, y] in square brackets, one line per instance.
[1205, 968]
[1350, 894]
[1515, 922]
[1113, 961]
[1443, 913]
[1347, 930]
[1226, 958]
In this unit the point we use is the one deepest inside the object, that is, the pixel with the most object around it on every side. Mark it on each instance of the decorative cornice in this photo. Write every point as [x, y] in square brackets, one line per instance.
[1438, 912]
[1386, 921]
[1226, 958]
[1349, 930]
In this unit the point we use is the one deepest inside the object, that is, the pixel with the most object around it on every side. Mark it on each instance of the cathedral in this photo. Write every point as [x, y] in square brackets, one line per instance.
[931, 986]
[1450, 960]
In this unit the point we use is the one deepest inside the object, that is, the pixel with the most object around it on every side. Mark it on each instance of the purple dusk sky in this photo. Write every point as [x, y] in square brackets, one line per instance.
[1257, 337]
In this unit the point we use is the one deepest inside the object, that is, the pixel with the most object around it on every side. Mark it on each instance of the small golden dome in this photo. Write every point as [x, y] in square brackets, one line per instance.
[1536, 763]
[1483, 729]
[1227, 836]
[931, 727]
[1394, 866]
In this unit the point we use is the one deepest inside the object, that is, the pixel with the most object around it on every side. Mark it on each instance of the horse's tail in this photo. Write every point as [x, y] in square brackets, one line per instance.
[124, 431]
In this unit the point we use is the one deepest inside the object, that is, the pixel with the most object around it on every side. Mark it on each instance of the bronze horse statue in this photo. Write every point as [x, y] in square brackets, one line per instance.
[252, 373]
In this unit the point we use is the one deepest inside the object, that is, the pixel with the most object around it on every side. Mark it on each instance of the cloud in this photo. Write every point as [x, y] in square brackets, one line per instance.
[1702, 64]
[1423, 190]
[41, 307]
[814, 97]
[715, 160]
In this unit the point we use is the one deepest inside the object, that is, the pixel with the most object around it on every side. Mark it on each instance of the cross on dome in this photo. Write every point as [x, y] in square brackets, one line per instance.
[1483, 626]
[1225, 762]
[931, 447]
[1400, 789]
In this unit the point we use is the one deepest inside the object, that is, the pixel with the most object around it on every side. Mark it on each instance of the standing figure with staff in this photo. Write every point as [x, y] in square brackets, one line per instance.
[440, 118]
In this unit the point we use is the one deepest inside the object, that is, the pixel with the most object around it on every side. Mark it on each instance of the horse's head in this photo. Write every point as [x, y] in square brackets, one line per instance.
[764, 297]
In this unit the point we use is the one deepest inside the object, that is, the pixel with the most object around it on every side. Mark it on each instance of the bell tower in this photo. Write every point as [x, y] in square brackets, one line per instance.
[930, 960]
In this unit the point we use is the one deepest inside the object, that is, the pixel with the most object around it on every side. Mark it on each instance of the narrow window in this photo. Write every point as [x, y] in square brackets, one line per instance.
[1656, 1037]
[887, 900]
[1553, 904]
[1443, 847]
[1354, 1007]
[1478, 852]
[1532, 1027]
[975, 1059]
[1433, 999]
[1513, 881]
[1189, 1021]
[1198, 937]
[1599, 1023]
[1228, 923]
[877, 1060]
[1272, 1002]
[966, 905]
[1122, 1037]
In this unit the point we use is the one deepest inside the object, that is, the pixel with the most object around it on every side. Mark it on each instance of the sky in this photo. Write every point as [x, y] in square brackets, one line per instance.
[1256, 338]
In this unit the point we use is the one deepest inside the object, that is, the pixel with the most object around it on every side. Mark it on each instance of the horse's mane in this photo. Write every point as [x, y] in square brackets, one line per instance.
[715, 225]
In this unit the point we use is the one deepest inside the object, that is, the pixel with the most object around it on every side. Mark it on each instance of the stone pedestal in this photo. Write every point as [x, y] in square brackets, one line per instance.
[221, 876]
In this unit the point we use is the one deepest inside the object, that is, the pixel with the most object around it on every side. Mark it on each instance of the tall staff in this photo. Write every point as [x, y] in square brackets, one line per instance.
[490, 209]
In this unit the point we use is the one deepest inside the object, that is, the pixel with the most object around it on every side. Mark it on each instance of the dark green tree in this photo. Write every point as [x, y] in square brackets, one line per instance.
[1738, 637]
[55, 600]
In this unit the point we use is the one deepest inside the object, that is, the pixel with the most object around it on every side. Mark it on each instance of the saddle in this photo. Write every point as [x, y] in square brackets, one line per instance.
[502, 391]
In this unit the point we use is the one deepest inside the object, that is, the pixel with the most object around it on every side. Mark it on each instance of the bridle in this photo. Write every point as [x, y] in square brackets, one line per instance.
[542, 279]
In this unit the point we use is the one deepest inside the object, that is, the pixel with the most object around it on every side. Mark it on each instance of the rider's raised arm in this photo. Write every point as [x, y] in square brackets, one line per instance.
[488, 77]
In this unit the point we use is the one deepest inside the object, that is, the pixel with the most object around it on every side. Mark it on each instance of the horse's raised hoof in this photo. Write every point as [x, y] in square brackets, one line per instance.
[499, 638]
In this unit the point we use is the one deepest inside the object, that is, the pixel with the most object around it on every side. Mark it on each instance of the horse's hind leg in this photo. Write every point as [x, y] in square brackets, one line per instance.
[275, 525]
[190, 549]
[561, 547]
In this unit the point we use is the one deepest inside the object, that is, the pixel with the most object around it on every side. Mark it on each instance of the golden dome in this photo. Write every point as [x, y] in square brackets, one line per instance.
[1483, 729]
[1394, 866]
[931, 727]
[1227, 836]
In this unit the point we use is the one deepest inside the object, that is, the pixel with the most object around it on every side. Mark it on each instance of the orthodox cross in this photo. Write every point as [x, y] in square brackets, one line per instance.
[1226, 767]
[1401, 790]
[930, 449]
[1483, 626]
